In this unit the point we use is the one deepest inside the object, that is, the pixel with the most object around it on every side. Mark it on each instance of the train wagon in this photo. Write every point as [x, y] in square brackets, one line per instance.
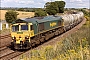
[28, 32]
[71, 20]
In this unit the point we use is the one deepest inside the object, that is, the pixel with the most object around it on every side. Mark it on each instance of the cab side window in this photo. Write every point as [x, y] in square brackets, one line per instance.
[32, 27]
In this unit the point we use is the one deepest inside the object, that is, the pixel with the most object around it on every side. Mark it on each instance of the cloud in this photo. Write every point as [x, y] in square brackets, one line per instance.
[78, 0]
[7, 1]
[81, 4]
[45, 0]
[75, 0]
[25, 2]
[58, 0]
[77, 4]
[18, 1]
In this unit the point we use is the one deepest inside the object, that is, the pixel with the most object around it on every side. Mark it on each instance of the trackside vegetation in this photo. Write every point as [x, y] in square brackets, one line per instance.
[40, 13]
[10, 16]
[54, 7]
[51, 8]
[75, 47]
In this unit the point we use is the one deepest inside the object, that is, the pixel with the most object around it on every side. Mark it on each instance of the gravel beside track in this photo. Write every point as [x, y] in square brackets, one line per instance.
[11, 55]
[3, 48]
[7, 32]
[5, 36]
[5, 52]
[5, 39]
[5, 42]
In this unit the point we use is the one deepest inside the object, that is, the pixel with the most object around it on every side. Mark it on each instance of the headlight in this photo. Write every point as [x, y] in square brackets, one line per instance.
[26, 37]
[14, 38]
[20, 39]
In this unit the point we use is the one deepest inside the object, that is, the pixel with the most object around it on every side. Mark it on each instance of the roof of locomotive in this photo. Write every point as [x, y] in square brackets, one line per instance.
[38, 19]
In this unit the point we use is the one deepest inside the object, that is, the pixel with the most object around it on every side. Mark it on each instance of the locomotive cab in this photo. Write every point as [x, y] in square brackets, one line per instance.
[21, 33]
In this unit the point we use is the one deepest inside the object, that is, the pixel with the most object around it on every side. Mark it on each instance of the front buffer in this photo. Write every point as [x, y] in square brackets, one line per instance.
[22, 45]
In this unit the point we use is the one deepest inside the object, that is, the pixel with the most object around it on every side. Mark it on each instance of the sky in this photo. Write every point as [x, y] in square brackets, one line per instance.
[41, 3]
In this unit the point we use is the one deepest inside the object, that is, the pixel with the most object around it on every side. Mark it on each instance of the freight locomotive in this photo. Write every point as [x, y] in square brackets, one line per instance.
[28, 32]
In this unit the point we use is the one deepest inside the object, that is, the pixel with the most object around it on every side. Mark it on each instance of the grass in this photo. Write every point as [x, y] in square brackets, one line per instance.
[4, 31]
[75, 47]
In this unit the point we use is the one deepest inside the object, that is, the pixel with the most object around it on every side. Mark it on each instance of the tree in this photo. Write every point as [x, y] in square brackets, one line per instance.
[11, 16]
[21, 9]
[51, 8]
[40, 13]
[54, 7]
[85, 12]
[61, 5]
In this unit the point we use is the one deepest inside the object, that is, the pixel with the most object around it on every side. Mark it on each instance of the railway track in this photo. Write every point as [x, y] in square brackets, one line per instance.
[5, 40]
[5, 52]
[8, 54]
[3, 48]
[5, 36]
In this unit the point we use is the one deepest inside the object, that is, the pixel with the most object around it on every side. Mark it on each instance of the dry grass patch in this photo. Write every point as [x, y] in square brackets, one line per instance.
[21, 14]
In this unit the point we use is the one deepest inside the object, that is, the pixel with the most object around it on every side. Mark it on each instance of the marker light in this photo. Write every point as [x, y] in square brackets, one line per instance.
[14, 38]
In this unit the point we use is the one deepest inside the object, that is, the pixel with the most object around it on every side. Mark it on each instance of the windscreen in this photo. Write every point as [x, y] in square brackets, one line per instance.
[24, 27]
[15, 28]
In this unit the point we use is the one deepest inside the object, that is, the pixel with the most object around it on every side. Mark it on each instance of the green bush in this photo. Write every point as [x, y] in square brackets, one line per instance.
[40, 13]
